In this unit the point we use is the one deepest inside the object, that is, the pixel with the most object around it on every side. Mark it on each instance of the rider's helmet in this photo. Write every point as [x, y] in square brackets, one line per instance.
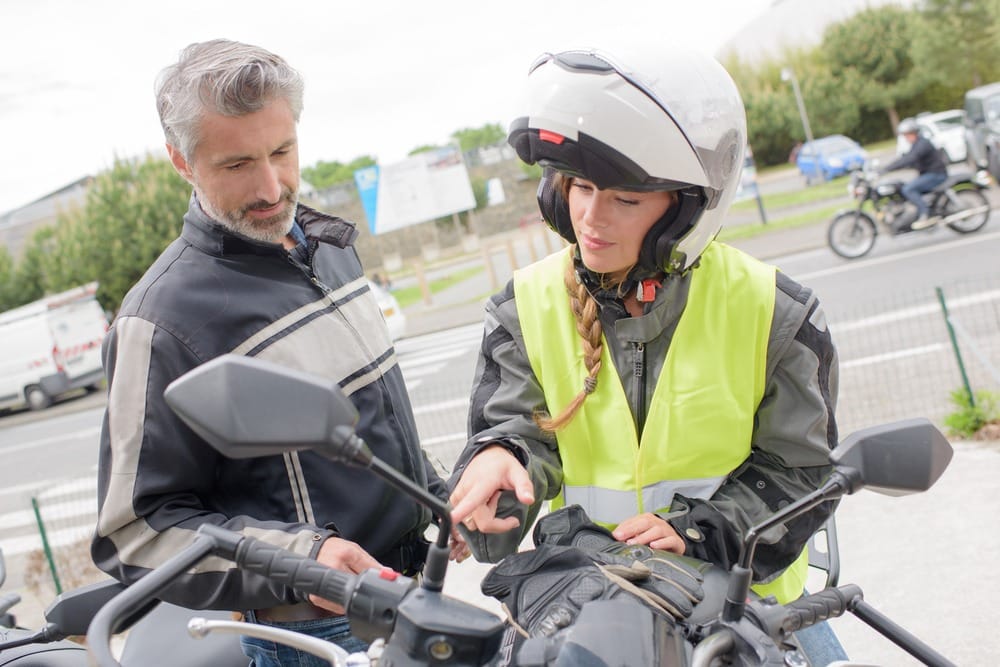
[908, 126]
[656, 121]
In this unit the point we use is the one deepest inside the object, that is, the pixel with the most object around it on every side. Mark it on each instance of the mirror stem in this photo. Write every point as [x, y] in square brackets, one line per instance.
[742, 574]
[437, 553]
[351, 449]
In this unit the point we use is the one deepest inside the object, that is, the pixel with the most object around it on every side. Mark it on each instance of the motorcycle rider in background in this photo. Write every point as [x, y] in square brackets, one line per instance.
[931, 172]
[677, 389]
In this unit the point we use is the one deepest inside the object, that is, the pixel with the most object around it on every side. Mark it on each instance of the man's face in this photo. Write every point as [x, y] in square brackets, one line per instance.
[911, 136]
[245, 170]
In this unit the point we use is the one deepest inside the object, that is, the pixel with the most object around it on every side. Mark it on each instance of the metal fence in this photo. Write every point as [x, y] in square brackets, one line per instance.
[898, 358]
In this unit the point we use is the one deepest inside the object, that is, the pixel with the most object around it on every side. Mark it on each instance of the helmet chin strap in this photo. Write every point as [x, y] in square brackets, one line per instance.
[639, 281]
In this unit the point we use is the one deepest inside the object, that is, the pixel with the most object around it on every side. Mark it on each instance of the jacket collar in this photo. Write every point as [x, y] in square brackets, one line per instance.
[207, 235]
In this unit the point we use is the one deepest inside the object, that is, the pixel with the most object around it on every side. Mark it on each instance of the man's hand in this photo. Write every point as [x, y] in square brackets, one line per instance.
[459, 548]
[475, 497]
[346, 556]
[651, 530]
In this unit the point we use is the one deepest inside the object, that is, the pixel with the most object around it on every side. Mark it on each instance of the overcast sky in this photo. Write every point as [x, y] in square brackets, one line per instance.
[382, 76]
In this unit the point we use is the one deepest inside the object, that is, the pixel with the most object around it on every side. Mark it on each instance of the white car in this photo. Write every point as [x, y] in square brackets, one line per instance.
[394, 317]
[945, 129]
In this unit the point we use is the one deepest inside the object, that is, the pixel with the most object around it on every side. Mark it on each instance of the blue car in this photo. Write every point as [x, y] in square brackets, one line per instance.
[829, 157]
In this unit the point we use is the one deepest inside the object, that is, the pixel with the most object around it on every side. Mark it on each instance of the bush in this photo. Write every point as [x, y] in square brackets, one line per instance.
[969, 419]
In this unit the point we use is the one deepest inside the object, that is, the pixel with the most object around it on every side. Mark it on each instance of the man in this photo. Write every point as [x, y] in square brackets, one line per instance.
[253, 272]
[931, 171]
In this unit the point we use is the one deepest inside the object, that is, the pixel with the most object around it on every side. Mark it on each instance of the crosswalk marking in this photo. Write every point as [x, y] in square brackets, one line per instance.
[471, 334]
[426, 360]
[31, 444]
[56, 538]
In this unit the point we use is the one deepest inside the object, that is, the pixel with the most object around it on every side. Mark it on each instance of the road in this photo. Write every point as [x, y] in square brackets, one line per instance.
[926, 560]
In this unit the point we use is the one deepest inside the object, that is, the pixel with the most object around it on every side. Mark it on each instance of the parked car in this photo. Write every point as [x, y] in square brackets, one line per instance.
[944, 129]
[829, 157]
[394, 317]
[982, 127]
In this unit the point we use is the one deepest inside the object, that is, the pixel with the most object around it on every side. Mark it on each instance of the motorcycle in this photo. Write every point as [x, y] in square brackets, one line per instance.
[231, 401]
[959, 202]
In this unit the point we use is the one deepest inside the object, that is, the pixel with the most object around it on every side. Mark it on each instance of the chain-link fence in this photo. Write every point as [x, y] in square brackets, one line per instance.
[47, 538]
[898, 358]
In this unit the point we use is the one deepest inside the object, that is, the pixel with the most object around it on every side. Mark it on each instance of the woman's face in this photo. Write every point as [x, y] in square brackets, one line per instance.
[610, 224]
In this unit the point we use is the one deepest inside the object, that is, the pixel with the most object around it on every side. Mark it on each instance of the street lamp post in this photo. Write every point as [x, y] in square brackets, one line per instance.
[788, 75]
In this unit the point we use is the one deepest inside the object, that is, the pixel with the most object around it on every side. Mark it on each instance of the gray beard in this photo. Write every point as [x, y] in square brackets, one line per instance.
[269, 230]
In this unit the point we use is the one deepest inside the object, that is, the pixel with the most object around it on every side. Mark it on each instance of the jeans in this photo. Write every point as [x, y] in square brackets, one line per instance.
[265, 653]
[914, 190]
[820, 645]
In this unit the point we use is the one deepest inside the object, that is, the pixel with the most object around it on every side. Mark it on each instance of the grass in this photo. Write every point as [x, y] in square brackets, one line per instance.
[787, 222]
[407, 296]
[835, 189]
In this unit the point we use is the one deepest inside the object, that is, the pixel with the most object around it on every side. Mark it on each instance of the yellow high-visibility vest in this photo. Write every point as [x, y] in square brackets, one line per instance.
[701, 414]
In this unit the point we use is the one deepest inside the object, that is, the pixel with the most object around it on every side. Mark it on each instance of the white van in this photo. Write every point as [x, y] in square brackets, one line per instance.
[51, 346]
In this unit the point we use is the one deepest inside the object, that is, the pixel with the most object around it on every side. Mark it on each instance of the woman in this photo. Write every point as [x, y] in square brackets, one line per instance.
[675, 388]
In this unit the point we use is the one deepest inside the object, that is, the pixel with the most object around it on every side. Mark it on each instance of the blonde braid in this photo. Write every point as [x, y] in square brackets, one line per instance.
[588, 325]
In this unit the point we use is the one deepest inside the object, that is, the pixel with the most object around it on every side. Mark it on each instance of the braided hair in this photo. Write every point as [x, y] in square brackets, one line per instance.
[588, 325]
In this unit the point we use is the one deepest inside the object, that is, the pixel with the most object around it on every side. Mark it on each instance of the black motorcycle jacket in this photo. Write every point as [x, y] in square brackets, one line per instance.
[213, 292]
[922, 156]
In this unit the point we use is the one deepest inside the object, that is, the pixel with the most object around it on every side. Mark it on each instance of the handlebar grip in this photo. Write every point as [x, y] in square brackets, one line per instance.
[300, 573]
[812, 609]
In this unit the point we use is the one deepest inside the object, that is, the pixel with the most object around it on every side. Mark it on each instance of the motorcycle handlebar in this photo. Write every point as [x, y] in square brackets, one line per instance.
[812, 609]
[295, 571]
[375, 594]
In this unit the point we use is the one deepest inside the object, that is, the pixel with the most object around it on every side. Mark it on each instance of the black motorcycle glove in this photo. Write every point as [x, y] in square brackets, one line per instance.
[577, 561]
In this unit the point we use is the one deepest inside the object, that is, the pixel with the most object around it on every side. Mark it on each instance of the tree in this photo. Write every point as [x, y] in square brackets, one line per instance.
[479, 137]
[29, 274]
[324, 174]
[870, 53]
[132, 212]
[959, 42]
[8, 287]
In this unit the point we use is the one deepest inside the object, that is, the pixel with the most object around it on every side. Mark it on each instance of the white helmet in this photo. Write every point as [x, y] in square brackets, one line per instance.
[908, 126]
[662, 121]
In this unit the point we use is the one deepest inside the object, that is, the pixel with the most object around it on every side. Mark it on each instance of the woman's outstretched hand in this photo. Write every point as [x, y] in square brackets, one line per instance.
[474, 500]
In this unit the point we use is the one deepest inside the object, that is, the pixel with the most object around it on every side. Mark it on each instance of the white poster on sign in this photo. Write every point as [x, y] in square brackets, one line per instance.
[424, 187]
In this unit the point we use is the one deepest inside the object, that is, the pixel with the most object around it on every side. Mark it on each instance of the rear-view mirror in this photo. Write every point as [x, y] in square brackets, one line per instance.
[895, 459]
[246, 407]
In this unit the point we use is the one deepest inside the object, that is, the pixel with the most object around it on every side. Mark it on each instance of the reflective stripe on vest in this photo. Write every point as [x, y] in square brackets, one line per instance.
[702, 410]
[612, 506]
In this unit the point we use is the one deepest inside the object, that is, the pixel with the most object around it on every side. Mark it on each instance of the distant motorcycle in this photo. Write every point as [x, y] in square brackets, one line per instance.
[959, 202]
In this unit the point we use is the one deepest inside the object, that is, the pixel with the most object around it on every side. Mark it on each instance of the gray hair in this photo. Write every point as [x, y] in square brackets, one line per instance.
[226, 77]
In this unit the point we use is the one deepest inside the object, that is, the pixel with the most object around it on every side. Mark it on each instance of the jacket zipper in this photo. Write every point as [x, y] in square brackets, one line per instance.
[638, 369]
[307, 268]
